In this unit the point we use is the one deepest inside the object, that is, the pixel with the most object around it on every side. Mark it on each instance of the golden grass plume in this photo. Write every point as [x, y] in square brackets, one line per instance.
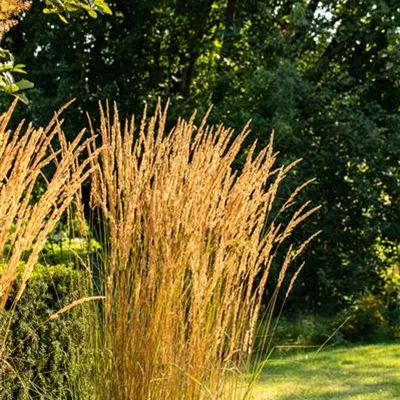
[188, 252]
[26, 223]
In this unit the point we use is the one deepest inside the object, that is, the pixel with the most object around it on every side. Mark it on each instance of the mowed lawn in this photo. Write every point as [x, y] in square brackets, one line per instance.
[368, 372]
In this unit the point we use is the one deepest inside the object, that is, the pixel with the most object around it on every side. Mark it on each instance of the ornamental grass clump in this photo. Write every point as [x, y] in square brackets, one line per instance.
[38, 182]
[31, 203]
[188, 246]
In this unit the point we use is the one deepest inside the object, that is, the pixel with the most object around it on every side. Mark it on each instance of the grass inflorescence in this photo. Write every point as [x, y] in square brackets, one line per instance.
[188, 247]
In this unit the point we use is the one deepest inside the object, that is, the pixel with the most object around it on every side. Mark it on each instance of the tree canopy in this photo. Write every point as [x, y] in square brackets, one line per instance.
[11, 11]
[324, 75]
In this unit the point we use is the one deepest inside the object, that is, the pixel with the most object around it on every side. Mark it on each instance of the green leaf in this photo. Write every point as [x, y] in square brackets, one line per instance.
[63, 19]
[23, 98]
[103, 7]
[24, 84]
[13, 88]
[92, 13]
[6, 67]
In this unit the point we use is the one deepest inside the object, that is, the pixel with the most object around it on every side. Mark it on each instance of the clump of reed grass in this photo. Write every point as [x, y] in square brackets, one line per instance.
[189, 245]
[26, 223]
[37, 185]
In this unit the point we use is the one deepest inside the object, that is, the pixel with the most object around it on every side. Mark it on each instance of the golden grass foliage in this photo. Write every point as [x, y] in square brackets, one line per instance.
[9, 11]
[188, 252]
[25, 223]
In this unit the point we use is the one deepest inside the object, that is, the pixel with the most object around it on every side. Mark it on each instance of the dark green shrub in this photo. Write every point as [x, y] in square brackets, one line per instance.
[294, 331]
[391, 293]
[367, 320]
[43, 356]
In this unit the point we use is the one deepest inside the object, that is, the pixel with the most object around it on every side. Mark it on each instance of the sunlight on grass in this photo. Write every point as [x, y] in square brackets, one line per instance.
[366, 372]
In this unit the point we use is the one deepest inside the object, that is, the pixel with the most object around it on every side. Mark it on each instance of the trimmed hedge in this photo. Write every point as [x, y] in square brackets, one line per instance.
[44, 357]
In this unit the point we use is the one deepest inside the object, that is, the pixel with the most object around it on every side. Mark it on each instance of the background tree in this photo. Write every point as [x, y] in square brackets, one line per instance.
[11, 11]
[324, 75]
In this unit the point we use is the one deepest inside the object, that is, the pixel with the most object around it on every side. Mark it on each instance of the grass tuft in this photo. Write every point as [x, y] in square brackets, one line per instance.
[188, 249]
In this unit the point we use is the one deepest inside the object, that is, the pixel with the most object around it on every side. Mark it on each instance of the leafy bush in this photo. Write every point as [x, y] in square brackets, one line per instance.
[41, 355]
[367, 320]
[391, 293]
[376, 316]
[300, 330]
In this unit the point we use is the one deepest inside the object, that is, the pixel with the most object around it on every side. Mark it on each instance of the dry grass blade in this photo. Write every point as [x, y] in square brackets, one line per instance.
[187, 255]
[74, 304]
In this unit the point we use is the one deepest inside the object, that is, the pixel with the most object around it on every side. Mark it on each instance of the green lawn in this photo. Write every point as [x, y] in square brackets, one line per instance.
[369, 372]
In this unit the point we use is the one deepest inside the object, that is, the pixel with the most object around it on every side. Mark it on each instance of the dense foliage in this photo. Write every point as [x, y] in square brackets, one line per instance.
[42, 357]
[323, 74]
[10, 13]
